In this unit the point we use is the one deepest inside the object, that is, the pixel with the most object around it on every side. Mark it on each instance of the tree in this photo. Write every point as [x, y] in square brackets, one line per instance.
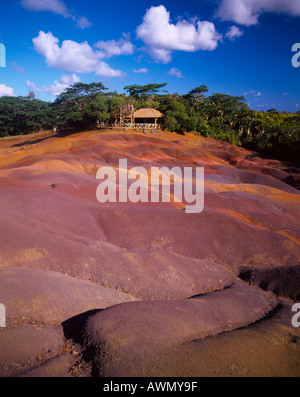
[30, 95]
[143, 91]
[83, 106]
[175, 111]
[197, 94]
[18, 115]
[80, 106]
[80, 92]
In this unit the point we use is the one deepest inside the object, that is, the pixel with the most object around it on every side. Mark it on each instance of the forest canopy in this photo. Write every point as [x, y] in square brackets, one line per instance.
[84, 106]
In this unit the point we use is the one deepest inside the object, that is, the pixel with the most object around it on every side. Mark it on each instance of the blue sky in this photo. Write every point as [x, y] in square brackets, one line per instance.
[239, 47]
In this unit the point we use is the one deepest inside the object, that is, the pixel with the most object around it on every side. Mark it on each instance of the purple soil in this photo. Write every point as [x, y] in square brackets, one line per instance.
[63, 254]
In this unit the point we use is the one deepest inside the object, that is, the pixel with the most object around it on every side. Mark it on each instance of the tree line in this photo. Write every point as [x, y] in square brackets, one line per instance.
[84, 106]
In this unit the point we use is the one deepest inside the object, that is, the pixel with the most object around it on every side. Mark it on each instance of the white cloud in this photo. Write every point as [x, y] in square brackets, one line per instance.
[268, 105]
[163, 37]
[247, 12]
[103, 69]
[112, 47]
[6, 91]
[141, 70]
[58, 87]
[254, 92]
[83, 23]
[57, 7]
[68, 80]
[17, 68]
[71, 56]
[175, 72]
[233, 33]
[249, 92]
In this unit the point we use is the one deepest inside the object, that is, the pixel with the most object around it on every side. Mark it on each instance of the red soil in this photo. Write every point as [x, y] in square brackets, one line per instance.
[154, 252]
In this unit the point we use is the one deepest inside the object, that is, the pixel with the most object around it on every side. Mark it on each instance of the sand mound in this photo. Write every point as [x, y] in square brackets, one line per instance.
[45, 296]
[135, 332]
[140, 279]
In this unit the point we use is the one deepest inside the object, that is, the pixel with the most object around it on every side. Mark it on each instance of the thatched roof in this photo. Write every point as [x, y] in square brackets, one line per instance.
[147, 113]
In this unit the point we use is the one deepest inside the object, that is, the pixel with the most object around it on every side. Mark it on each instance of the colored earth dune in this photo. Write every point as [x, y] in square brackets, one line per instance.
[145, 289]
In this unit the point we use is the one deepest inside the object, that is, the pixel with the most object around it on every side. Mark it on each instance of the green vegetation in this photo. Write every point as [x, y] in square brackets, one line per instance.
[24, 115]
[84, 106]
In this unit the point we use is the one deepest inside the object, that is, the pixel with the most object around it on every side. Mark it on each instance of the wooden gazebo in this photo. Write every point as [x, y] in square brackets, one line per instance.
[145, 118]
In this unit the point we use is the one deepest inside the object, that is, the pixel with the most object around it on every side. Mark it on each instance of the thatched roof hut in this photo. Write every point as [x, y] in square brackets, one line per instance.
[147, 118]
[147, 113]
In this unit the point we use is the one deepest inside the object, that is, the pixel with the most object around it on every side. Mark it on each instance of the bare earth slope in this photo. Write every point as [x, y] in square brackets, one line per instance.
[124, 289]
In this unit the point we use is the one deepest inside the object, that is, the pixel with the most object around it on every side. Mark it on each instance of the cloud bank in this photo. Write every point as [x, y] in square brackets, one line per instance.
[163, 37]
[247, 12]
[112, 48]
[57, 7]
[73, 57]
[141, 70]
[58, 87]
[175, 72]
[6, 91]
[233, 33]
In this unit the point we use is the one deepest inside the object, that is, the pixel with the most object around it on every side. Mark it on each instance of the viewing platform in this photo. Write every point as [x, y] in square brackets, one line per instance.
[145, 118]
